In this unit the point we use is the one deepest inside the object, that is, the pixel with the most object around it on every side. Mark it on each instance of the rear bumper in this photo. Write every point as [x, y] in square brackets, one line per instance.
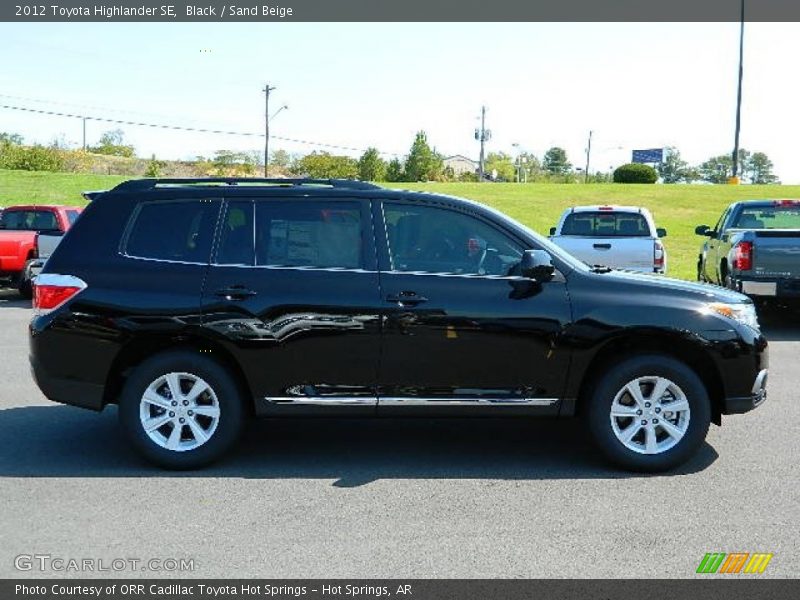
[769, 288]
[67, 391]
[743, 404]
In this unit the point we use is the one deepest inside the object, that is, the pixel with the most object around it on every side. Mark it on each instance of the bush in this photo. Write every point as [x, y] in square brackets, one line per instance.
[31, 158]
[635, 173]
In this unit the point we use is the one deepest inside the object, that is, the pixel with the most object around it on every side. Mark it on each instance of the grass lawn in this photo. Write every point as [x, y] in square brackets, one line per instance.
[678, 208]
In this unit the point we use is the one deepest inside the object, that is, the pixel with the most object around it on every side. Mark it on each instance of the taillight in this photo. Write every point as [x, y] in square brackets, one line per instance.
[658, 256]
[35, 250]
[51, 291]
[743, 256]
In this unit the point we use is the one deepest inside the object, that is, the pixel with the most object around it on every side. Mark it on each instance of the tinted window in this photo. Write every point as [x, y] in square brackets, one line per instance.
[179, 231]
[236, 235]
[779, 216]
[72, 216]
[605, 224]
[304, 234]
[436, 240]
[28, 220]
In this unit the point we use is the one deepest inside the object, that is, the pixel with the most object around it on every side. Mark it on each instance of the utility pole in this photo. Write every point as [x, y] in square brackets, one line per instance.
[734, 178]
[483, 135]
[84, 134]
[588, 156]
[266, 91]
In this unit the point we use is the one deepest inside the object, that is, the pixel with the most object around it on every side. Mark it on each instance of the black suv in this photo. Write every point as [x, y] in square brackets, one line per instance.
[193, 304]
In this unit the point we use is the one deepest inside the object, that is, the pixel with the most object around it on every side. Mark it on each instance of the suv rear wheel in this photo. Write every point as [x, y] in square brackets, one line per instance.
[181, 410]
[649, 413]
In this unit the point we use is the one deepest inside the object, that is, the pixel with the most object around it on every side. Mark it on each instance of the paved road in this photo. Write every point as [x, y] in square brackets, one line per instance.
[396, 498]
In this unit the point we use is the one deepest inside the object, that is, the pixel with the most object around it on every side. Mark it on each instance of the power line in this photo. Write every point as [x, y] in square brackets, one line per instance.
[184, 128]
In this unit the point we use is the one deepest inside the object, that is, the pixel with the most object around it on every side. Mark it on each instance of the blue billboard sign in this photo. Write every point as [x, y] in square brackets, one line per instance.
[653, 155]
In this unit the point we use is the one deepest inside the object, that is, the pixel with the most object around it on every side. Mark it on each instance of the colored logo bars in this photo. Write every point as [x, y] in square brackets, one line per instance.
[737, 562]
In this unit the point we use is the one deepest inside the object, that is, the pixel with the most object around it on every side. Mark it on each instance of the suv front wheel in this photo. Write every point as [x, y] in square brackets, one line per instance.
[181, 410]
[649, 413]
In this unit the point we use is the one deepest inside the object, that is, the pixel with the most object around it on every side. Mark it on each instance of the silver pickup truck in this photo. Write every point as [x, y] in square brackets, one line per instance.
[754, 248]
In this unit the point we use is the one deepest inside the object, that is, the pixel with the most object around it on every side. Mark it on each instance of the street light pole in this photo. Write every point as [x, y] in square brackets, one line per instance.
[734, 178]
[266, 90]
[588, 156]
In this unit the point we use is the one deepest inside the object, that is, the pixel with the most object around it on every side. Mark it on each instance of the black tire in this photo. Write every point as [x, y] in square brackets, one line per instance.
[229, 398]
[601, 398]
[25, 289]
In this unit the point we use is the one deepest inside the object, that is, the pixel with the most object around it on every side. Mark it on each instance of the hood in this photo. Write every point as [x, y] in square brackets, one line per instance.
[659, 284]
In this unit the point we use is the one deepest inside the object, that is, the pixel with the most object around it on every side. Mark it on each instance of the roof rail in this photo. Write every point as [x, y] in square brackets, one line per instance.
[141, 185]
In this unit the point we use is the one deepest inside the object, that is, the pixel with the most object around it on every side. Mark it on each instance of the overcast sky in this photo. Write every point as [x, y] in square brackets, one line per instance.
[357, 85]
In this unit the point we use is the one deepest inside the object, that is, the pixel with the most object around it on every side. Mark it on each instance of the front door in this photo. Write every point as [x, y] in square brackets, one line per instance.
[461, 329]
[293, 290]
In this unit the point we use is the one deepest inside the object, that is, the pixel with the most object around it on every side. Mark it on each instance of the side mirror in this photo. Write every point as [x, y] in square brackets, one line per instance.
[661, 232]
[704, 230]
[552, 231]
[537, 265]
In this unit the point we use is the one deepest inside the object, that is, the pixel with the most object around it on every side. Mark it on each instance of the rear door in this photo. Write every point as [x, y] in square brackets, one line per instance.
[618, 239]
[293, 293]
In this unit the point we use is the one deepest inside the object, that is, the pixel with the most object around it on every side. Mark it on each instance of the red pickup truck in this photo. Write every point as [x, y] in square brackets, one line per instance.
[20, 228]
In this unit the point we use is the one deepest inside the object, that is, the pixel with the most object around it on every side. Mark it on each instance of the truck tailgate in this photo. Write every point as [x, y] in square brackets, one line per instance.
[634, 253]
[776, 253]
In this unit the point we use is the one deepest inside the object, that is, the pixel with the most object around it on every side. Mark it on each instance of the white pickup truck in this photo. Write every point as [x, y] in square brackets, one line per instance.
[620, 237]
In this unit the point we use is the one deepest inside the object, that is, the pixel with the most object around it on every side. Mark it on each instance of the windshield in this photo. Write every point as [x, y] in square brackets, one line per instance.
[777, 216]
[605, 224]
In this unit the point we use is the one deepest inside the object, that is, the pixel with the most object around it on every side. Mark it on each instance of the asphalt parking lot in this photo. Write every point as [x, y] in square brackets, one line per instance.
[396, 498]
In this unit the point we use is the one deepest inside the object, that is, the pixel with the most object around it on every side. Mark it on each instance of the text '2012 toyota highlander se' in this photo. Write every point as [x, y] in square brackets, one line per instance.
[193, 304]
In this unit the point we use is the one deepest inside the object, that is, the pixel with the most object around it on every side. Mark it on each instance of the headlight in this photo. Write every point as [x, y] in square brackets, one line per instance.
[743, 313]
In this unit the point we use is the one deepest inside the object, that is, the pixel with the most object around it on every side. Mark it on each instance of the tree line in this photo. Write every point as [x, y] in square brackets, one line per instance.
[422, 163]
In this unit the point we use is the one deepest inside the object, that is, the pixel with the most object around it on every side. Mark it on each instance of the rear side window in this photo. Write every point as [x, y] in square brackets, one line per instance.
[605, 224]
[28, 220]
[180, 231]
[300, 234]
[72, 216]
[236, 236]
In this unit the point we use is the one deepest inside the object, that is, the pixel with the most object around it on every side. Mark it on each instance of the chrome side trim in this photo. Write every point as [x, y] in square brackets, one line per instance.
[163, 260]
[459, 275]
[410, 401]
[397, 401]
[324, 400]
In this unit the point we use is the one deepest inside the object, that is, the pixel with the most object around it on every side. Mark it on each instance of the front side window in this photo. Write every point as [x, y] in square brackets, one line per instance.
[437, 240]
[180, 231]
[308, 234]
[605, 224]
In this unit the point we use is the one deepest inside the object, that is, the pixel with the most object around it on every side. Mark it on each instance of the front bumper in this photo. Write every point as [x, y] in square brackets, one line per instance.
[758, 395]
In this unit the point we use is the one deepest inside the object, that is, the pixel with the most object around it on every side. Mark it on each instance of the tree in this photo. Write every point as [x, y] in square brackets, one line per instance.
[153, 167]
[280, 158]
[717, 169]
[555, 161]
[395, 170]
[423, 163]
[233, 163]
[674, 169]
[112, 144]
[503, 164]
[323, 165]
[531, 166]
[10, 139]
[371, 167]
[759, 167]
[635, 173]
